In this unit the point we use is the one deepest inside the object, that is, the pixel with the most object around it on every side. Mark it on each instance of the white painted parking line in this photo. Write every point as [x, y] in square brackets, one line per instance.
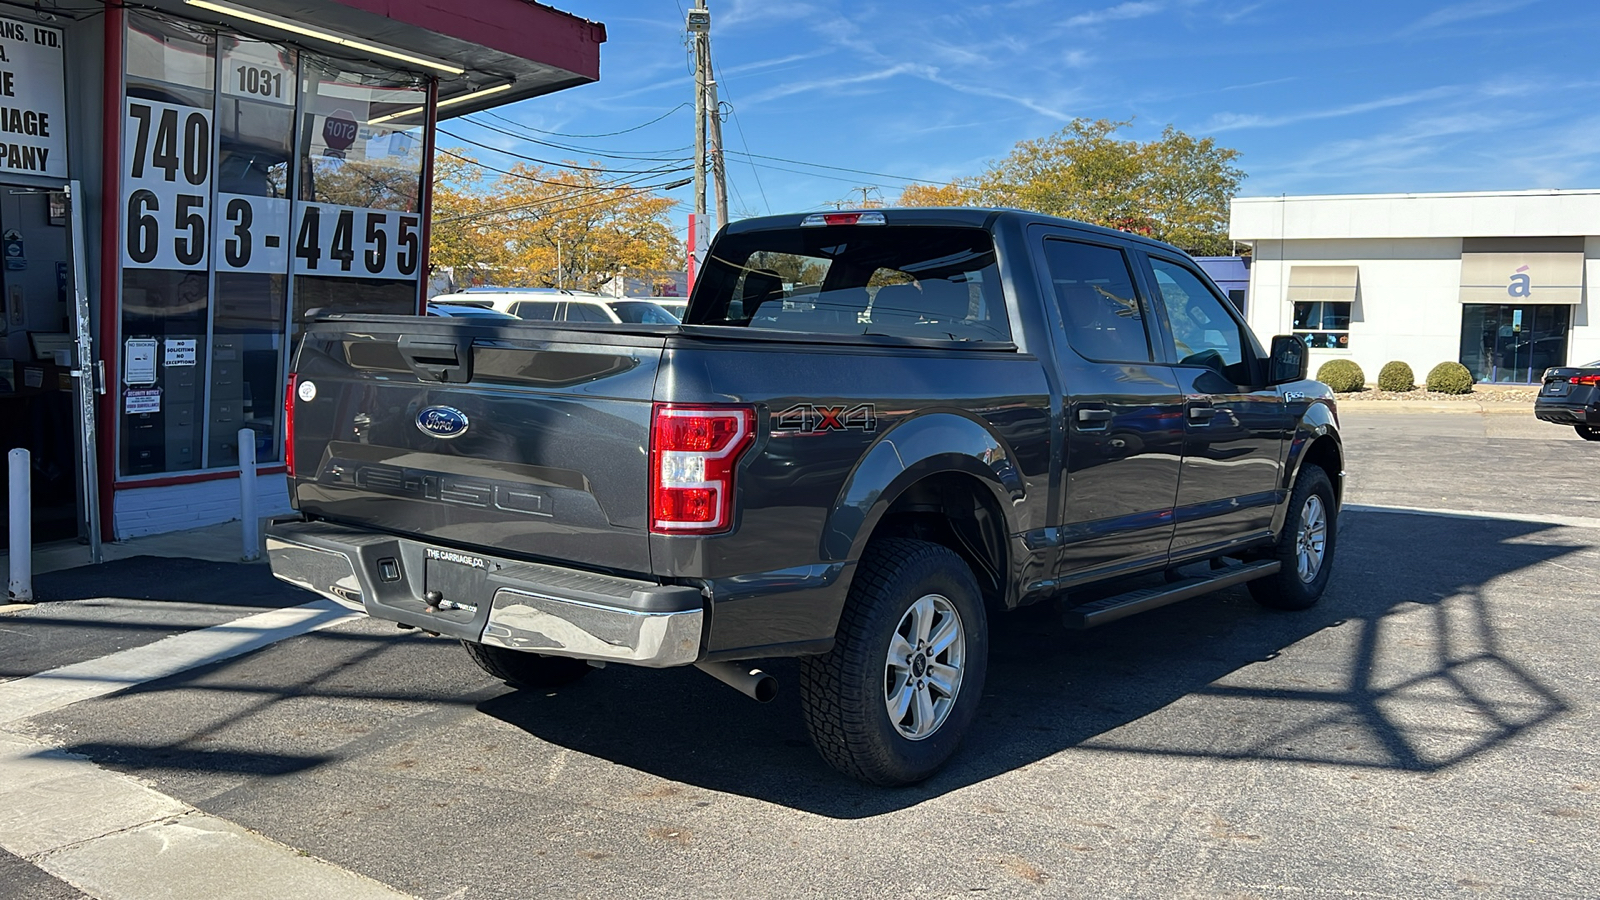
[56, 688]
[116, 838]
[1567, 521]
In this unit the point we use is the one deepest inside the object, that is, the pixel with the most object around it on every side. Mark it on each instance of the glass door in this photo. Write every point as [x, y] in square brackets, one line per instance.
[1507, 344]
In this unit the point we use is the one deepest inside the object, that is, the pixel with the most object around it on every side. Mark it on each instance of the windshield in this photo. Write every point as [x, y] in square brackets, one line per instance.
[926, 282]
[643, 312]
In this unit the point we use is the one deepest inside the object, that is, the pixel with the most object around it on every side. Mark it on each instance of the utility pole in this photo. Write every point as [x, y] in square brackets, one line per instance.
[719, 168]
[698, 24]
[700, 27]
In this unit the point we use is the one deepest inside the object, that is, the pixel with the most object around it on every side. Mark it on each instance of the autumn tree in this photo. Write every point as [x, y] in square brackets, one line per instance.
[1175, 188]
[538, 226]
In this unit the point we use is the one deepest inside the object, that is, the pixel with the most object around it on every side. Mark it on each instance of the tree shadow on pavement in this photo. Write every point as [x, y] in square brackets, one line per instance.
[1400, 667]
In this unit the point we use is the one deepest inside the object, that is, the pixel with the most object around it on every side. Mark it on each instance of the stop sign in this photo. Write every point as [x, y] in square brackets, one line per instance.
[339, 131]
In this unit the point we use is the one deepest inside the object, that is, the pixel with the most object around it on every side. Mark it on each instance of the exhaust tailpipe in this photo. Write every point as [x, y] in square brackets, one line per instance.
[752, 683]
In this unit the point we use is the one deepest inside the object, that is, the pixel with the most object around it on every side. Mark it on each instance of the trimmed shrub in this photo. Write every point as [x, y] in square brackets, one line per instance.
[1342, 375]
[1396, 376]
[1450, 378]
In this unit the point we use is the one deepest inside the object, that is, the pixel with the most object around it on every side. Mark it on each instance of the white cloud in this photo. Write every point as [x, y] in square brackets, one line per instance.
[1228, 121]
[1464, 12]
[1135, 9]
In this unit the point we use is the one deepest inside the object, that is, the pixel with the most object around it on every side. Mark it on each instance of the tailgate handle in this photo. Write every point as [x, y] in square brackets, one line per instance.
[440, 360]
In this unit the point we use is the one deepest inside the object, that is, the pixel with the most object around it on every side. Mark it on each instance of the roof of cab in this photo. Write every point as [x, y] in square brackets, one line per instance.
[966, 216]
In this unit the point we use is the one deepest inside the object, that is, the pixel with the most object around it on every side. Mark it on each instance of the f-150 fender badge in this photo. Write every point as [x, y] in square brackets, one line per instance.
[442, 421]
[810, 418]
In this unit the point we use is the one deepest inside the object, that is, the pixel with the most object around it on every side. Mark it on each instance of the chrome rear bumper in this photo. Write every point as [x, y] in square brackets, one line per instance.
[522, 606]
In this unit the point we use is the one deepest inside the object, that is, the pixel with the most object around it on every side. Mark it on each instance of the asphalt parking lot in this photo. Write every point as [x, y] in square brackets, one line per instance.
[1429, 730]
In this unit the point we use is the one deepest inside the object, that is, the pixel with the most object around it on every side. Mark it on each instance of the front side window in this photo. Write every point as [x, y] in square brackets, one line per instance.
[940, 283]
[1325, 324]
[1203, 332]
[1102, 313]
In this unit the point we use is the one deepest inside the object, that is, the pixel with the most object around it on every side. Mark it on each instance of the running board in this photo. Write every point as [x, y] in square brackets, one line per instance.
[1121, 606]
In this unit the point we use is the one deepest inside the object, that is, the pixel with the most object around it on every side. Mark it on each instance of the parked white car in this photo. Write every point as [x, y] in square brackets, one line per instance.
[551, 306]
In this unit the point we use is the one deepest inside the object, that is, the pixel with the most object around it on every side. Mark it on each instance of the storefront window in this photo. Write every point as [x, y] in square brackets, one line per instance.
[250, 174]
[1513, 344]
[167, 176]
[255, 158]
[358, 228]
[1325, 324]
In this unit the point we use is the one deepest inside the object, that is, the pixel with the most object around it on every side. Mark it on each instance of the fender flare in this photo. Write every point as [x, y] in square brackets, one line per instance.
[929, 443]
[1317, 423]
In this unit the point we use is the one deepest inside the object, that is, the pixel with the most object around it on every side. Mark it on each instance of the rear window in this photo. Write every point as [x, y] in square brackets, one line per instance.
[924, 282]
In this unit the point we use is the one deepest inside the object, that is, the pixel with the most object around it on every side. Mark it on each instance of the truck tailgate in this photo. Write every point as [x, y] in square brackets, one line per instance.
[515, 439]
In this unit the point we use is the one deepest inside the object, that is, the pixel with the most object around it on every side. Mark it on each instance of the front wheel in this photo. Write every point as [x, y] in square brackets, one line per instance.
[1588, 432]
[1305, 546]
[521, 669]
[890, 702]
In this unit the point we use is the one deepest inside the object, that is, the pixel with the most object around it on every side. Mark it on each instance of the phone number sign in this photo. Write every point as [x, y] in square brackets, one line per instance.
[173, 220]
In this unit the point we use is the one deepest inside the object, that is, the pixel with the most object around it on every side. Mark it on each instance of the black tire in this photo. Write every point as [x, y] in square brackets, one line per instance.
[843, 692]
[1287, 589]
[1588, 432]
[521, 669]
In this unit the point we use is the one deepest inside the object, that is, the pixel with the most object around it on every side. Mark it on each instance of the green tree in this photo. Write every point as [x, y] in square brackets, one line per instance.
[547, 227]
[1175, 188]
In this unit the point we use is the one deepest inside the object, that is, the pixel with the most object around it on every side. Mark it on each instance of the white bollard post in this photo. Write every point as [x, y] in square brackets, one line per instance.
[20, 586]
[247, 494]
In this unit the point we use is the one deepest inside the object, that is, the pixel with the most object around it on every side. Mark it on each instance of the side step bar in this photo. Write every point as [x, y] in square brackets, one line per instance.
[1121, 606]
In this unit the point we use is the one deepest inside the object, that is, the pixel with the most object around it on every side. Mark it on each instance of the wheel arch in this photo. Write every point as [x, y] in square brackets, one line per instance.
[1316, 441]
[942, 477]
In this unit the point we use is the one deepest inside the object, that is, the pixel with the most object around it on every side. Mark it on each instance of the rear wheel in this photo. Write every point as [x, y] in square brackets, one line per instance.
[1588, 432]
[519, 668]
[890, 702]
[1305, 546]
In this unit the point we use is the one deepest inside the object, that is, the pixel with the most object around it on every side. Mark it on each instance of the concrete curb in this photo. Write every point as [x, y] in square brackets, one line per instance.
[1441, 406]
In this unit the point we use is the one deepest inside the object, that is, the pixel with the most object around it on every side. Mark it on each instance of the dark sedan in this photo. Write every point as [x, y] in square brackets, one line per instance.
[1571, 396]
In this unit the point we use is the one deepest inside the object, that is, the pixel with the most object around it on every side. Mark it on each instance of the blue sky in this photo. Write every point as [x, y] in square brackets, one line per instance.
[1320, 97]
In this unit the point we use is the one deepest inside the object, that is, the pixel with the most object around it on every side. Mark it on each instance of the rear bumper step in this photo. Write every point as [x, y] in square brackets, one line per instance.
[505, 603]
[1120, 606]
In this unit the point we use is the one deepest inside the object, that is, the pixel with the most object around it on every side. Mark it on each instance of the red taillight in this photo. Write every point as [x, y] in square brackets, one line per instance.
[1585, 379]
[694, 451]
[288, 425]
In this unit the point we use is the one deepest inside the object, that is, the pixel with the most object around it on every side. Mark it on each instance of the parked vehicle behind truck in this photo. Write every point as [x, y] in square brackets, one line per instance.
[874, 431]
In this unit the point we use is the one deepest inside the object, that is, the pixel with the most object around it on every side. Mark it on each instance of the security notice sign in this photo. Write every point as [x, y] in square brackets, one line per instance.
[33, 104]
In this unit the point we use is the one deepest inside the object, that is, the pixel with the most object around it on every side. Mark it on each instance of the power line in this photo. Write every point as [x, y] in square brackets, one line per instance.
[547, 162]
[801, 162]
[556, 212]
[607, 134]
[567, 184]
[734, 111]
[637, 154]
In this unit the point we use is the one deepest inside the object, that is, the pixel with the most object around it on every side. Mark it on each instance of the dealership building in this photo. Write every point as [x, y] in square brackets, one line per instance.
[1498, 281]
[182, 182]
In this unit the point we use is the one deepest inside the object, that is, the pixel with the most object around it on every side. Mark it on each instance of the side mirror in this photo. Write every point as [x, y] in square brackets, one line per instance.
[1289, 361]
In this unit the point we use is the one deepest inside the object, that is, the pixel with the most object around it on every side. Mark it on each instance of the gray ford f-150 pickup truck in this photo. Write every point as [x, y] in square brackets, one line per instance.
[873, 431]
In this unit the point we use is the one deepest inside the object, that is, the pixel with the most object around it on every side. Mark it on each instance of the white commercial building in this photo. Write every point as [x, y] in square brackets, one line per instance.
[1498, 281]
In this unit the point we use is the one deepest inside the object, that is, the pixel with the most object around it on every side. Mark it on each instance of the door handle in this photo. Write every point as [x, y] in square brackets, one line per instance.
[1202, 413]
[1094, 416]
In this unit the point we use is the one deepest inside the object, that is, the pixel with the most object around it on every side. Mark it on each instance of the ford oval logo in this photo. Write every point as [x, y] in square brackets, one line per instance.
[442, 421]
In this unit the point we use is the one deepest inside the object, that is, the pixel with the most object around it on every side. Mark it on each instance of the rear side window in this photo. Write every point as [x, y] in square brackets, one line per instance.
[537, 310]
[585, 312]
[914, 281]
[1102, 313]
